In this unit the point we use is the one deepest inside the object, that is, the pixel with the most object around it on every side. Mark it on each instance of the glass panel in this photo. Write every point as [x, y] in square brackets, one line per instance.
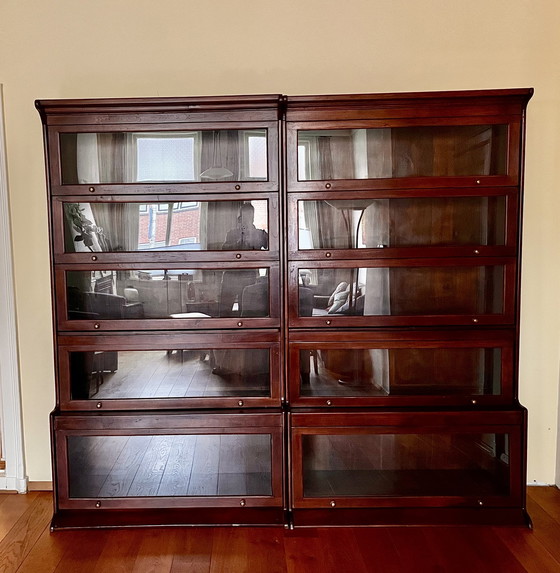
[401, 291]
[400, 371]
[432, 151]
[403, 222]
[118, 374]
[184, 226]
[169, 465]
[134, 294]
[436, 464]
[144, 157]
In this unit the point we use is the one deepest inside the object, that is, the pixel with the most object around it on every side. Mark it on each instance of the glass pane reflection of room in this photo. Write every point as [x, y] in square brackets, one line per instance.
[392, 152]
[401, 222]
[438, 464]
[400, 371]
[169, 465]
[163, 293]
[183, 226]
[193, 373]
[401, 291]
[153, 157]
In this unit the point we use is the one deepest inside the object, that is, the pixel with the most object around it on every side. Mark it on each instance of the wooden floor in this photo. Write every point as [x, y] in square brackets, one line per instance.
[26, 545]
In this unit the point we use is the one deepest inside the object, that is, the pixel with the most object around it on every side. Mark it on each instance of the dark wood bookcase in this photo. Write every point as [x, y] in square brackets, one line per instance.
[287, 310]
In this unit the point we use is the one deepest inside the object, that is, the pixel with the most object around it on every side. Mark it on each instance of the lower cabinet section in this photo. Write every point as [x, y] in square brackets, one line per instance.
[304, 468]
[407, 467]
[156, 468]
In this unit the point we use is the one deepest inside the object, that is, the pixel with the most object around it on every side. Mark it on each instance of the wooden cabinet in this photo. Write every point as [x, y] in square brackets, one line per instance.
[311, 304]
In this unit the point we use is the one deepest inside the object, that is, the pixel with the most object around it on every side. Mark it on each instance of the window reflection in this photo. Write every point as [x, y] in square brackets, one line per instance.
[169, 465]
[401, 291]
[186, 225]
[189, 156]
[160, 293]
[400, 371]
[117, 374]
[436, 464]
[402, 222]
[402, 152]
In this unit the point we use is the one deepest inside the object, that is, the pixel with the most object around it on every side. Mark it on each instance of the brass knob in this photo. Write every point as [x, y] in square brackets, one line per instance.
[473, 401]
[333, 503]
[240, 323]
[91, 189]
[238, 256]
[475, 320]
[97, 326]
[328, 185]
[480, 503]
[237, 187]
[99, 405]
[476, 252]
[242, 503]
[329, 403]
[327, 322]
[94, 258]
[478, 181]
[97, 504]
[328, 255]
[240, 402]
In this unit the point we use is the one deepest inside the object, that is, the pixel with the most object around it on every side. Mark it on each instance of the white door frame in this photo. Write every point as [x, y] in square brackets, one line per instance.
[13, 476]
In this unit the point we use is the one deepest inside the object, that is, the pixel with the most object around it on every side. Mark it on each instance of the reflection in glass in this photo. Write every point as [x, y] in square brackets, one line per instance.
[400, 371]
[118, 374]
[437, 464]
[402, 152]
[187, 225]
[402, 222]
[144, 157]
[169, 465]
[400, 291]
[138, 294]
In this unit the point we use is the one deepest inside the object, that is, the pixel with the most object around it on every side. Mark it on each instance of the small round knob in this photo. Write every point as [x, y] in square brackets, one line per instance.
[94, 258]
[478, 181]
[99, 405]
[329, 402]
[473, 401]
[242, 503]
[240, 323]
[480, 503]
[476, 252]
[237, 187]
[328, 255]
[240, 403]
[475, 320]
[91, 189]
[97, 504]
[238, 256]
[333, 503]
[97, 326]
[327, 322]
[328, 185]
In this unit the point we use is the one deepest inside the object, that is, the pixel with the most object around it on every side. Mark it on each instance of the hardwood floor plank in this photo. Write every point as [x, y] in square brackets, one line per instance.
[83, 557]
[193, 551]
[50, 549]
[545, 528]
[548, 497]
[121, 550]
[26, 530]
[248, 550]
[13, 507]
[155, 553]
[527, 549]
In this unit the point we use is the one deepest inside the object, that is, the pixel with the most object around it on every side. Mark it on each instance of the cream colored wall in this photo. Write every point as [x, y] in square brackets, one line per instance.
[69, 49]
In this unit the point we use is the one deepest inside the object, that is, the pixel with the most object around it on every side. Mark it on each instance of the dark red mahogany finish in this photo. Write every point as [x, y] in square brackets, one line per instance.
[287, 310]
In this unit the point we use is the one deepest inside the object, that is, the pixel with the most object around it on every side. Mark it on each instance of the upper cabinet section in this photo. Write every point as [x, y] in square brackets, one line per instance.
[167, 145]
[395, 141]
